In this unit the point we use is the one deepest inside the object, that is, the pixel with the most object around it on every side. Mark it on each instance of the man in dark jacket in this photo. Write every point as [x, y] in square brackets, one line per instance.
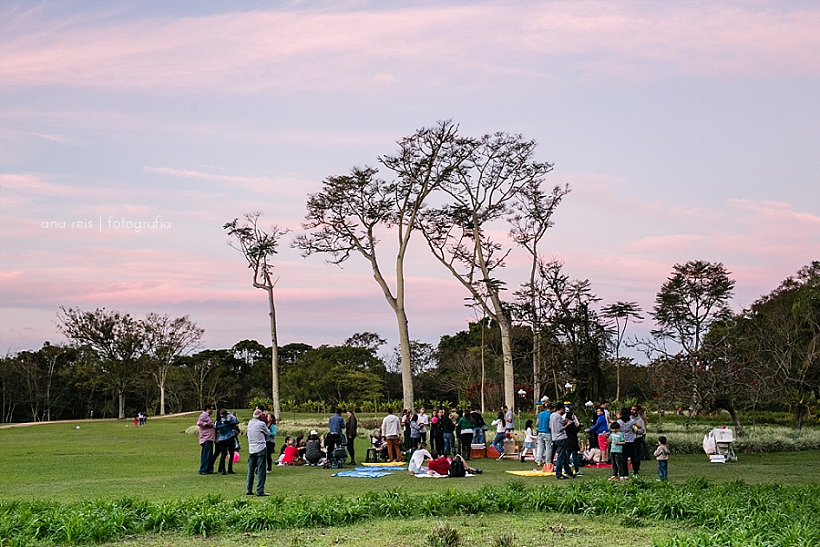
[351, 430]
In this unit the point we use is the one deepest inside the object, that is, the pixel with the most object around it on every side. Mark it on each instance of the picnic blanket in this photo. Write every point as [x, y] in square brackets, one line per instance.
[372, 470]
[385, 464]
[437, 476]
[532, 473]
[369, 474]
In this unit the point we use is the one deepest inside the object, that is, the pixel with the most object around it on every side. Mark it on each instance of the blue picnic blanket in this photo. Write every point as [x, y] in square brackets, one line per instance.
[368, 474]
[376, 469]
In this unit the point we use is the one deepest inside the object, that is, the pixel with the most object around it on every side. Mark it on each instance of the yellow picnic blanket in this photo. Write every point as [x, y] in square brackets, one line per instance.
[532, 473]
[385, 464]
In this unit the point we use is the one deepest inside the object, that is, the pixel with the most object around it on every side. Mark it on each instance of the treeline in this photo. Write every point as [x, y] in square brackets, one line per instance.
[701, 357]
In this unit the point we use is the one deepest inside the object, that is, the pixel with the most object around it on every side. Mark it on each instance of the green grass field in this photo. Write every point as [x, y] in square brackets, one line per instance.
[107, 461]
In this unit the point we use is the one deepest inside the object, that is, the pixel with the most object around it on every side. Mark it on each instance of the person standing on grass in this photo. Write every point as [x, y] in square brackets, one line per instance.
[270, 444]
[436, 435]
[543, 454]
[630, 428]
[448, 431]
[509, 420]
[226, 440]
[257, 449]
[207, 438]
[641, 451]
[601, 431]
[616, 452]
[351, 430]
[662, 454]
[415, 432]
[465, 435]
[424, 421]
[500, 433]
[559, 437]
[391, 432]
[336, 426]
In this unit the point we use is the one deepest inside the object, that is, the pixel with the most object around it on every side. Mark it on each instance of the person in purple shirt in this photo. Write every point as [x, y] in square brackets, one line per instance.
[207, 438]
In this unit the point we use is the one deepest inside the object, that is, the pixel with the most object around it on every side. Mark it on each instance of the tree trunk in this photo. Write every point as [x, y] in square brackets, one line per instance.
[274, 366]
[406, 369]
[162, 399]
[121, 404]
[536, 365]
[506, 348]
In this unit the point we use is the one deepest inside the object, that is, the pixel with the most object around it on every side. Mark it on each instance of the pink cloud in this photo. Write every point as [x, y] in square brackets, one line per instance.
[300, 49]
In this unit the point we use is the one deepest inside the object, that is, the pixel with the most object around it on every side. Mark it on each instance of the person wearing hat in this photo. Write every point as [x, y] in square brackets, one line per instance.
[257, 434]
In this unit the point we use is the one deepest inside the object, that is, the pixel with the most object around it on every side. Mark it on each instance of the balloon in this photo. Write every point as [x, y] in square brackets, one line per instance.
[435, 420]
[235, 457]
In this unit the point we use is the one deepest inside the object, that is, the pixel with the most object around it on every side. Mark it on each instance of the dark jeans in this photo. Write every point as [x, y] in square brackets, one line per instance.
[618, 464]
[466, 440]
[351, 448]
[562, 458]
[449, 445]
[662, 469]
[225, 449]
[270, 450]
[206, 458]
[630, 456]
[637, 453]
[256, 464]
[438, 442]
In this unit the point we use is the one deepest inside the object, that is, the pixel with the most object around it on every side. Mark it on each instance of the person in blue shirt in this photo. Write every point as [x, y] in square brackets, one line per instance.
[336, 425]
[601, 430]
[543, 445]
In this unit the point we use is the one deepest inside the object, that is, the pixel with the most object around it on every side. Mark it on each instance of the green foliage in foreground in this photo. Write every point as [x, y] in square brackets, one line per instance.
[733, 514]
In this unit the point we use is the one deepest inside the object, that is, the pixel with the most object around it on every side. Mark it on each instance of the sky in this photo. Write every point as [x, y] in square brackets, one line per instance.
[131, 132]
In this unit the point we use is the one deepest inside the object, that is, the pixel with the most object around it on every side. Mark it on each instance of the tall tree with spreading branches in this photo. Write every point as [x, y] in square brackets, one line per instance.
[481, 191]
[621, 312]
[258, 247]
[349, 213]
[118, 340]
[533, 217]
[166, 340]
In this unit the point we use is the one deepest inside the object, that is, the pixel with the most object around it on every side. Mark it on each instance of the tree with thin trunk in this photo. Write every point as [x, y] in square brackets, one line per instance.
[497, 168]
[692, 299]
[258, 248]
[166, 340]
[621, 312]
[347, 215]
[534, 209]
[117, 338]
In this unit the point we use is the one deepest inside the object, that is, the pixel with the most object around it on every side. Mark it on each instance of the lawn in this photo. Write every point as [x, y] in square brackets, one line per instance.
[109, 461]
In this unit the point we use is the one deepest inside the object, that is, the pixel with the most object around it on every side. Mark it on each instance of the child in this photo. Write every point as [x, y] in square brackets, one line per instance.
[617, 452]
[529, 441]
[662, 454]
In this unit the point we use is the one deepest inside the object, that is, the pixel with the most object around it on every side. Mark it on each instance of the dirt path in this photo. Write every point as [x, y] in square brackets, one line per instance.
[27, 424]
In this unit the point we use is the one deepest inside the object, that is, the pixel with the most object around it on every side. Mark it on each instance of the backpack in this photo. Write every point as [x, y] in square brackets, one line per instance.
[457, 468]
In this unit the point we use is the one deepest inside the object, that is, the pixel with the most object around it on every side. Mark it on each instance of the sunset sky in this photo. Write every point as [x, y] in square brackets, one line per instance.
[686, 130]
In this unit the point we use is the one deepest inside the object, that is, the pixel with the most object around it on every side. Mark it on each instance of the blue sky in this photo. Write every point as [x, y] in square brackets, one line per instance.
[686, 130]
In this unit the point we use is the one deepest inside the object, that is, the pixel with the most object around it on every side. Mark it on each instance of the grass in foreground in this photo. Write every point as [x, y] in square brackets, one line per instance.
[734, 514]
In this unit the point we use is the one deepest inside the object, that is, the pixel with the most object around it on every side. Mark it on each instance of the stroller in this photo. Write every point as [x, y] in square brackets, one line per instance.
[718, 445]
[335, 458]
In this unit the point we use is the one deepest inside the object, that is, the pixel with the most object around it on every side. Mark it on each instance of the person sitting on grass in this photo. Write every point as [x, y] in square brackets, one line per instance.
[290, 454]
[313, 449]
[417, 460]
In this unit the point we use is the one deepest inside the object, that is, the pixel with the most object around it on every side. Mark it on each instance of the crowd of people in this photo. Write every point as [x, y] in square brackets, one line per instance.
[553, 439]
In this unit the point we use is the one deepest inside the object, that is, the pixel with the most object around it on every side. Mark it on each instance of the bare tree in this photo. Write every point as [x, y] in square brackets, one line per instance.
[496, 169]
[346, 215]
[258, 248]
[166, 340]
[533, 217]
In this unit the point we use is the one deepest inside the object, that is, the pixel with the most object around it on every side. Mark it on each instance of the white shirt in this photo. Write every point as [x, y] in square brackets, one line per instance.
[257, 435]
